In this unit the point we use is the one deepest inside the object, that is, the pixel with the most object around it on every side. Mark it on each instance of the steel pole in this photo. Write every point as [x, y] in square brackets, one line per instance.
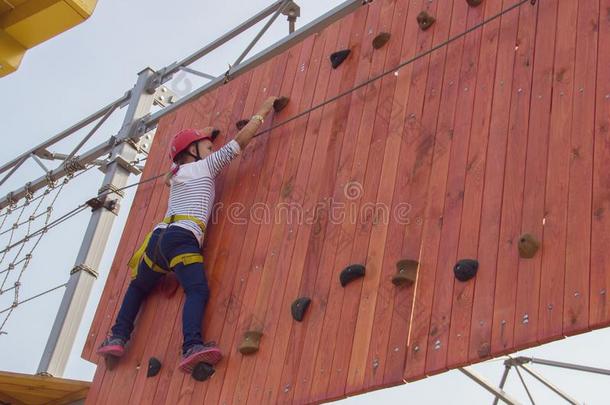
[84, 273]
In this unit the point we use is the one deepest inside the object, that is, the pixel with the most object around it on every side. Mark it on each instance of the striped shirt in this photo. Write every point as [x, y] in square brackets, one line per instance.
[192, 189]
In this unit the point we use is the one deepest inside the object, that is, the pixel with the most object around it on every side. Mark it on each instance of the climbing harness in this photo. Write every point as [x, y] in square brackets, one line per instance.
[185, 258]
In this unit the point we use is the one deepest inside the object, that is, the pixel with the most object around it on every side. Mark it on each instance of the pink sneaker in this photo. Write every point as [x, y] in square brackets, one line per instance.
[205, 353]
[112, 346]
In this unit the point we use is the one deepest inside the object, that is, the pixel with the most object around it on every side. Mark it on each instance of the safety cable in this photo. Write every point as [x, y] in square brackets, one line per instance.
[16, 304]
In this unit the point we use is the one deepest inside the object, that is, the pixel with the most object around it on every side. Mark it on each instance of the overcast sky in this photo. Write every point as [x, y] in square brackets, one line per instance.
[73, 75]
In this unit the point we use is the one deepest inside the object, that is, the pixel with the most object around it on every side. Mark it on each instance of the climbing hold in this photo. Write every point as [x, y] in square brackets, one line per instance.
[280, 104]
[466, 269]
[111, 362]
[169, 285]
[337, 58]
[202, 371]
[241, 123]
[215, 133]
[425, 20]
[251, 342]
[381, 39]
[406, 272]
[154, 365]
[298, 308]
[474, 3]
[528, 246]
[350, 273]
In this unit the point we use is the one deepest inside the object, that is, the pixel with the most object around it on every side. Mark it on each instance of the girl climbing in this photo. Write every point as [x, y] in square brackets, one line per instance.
[175, 243]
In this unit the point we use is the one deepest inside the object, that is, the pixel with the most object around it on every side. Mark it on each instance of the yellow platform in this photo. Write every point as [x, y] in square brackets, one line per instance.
[27, 23]
[28, 389]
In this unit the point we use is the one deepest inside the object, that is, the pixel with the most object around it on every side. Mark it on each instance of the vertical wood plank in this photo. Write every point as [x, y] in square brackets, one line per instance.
[528, 282]
[578, 243]
[467, 238]
[512, 201]
[445, 193]
[492, 156]
[556, 199]
[600, 254]
[427, 177]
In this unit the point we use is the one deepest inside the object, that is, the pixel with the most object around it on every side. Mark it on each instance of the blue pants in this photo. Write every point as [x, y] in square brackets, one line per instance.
[164, 245]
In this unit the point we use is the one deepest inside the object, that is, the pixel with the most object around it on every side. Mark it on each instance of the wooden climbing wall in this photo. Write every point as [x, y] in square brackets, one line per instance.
[504, 131]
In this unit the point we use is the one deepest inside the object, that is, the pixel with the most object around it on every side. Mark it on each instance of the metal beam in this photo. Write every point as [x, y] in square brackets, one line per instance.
[567, 365]
[84, 273]
[318, 24]
[549, 385]
[64, 134]
[503, 380]
[498, 393]
[261, 32]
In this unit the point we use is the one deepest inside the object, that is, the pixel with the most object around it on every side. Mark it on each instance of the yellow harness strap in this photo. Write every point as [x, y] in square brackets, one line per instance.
[186, 258]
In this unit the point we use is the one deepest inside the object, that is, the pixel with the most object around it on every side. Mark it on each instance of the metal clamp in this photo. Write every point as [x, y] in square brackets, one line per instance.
[85, 268]
[99, 202]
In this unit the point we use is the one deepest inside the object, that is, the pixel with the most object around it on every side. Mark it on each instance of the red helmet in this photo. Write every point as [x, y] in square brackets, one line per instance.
[183, 139]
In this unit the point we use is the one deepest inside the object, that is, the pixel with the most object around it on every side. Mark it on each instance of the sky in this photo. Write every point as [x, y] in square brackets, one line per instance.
[73, 75]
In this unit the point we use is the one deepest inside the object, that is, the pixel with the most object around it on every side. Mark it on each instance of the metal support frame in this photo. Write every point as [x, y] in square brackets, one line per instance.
[521, 363]
[69, 316]
[497, 392]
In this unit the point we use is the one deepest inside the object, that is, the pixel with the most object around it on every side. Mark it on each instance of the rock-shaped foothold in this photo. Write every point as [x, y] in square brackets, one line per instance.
[381, 39]
[351, 273]
[154, 366]
[298, 308]
[251, 342]
[202, 371]
[280, 104]
[528, 246]
[425, 20]
[241, 123]
[169, 285]
[406, 272]
[466, 269]
[215, 134]
[337, 58]
[474, 3]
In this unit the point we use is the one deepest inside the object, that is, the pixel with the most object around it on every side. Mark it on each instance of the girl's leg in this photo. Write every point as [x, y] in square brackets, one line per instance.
[195, 285]
[138, 290]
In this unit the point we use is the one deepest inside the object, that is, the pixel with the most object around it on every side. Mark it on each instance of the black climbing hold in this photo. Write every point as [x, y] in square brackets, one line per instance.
[350, 273]
[154, 366]
[466, 269]
[298, 308]
[406, 272]
[425, 20]
[474, 3]
[280, 104]
[381, 39]
[202, 371]
[111, 361]
[215, 133]
[337, 58]
[251, 342]
[241, 123]
[528, 246]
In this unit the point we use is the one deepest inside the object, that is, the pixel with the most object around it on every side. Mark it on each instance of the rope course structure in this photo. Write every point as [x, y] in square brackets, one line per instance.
[12, 274]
